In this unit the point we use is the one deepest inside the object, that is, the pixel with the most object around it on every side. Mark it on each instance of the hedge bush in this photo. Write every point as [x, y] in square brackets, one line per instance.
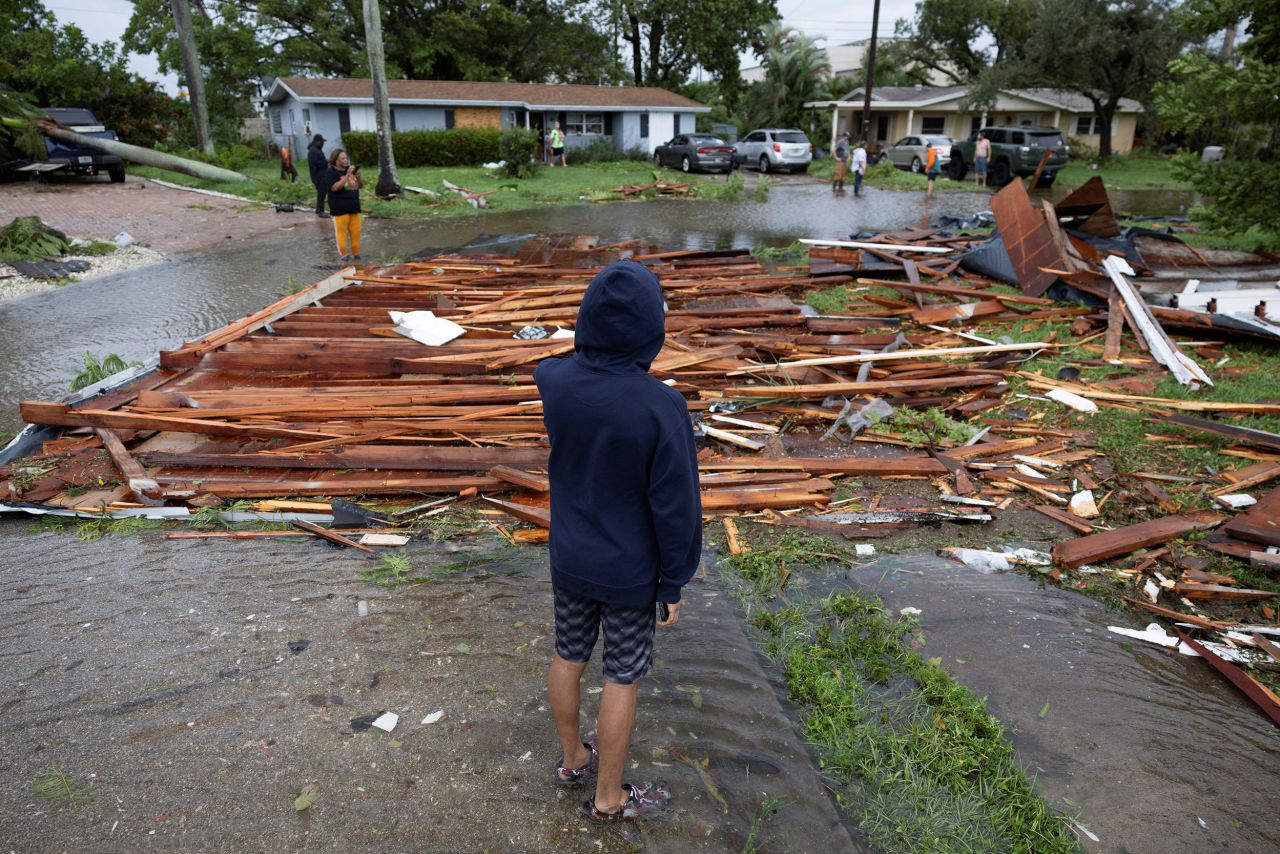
[516, 149]
[457, 147]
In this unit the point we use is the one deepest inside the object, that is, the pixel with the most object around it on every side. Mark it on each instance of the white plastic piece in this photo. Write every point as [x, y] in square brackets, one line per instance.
[864, 549]
[362, 608]
[124, 239]
[384, 540]
[1151, 589]
[983, 561]
[1083, 505]
[425, 328]
[910, 612]
[433, 717]
[387, 721]
[1237, 500]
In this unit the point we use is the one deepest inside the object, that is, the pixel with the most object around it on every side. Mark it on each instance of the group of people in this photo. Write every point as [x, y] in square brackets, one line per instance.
[932, 164]
[337, 182]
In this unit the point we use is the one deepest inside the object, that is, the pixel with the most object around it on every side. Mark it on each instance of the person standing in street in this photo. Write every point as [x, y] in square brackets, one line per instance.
[932, 167]
[859, 167]
[981, 156]
[626, 525]
[318, 165]
[342, 181]
[841, 154]
[557, 146]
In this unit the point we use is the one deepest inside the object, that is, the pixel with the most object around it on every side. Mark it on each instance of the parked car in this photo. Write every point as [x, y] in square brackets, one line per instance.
[79, 160]
[695, 151]
[774, 149]
[1015, 151]
[910, 152]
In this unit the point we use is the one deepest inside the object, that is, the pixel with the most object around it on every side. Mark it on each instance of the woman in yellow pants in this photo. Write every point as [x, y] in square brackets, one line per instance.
[343, 180]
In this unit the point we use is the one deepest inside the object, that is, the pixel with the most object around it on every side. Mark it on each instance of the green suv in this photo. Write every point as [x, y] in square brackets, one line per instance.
[1014, 151]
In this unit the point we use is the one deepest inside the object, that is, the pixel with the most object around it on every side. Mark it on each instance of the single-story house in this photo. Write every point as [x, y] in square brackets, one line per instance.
[643, 117]
[898, 111]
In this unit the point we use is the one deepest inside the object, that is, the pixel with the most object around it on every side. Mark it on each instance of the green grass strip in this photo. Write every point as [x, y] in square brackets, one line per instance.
[915, 759]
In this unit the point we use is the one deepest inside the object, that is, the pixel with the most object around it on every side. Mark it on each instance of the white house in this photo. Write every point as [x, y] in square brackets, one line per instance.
[632, 117]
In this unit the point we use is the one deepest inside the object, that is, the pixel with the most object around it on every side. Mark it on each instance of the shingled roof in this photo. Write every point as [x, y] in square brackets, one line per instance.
[534, 96]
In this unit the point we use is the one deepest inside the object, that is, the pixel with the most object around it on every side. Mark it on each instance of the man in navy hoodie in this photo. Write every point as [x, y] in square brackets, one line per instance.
[626, 523]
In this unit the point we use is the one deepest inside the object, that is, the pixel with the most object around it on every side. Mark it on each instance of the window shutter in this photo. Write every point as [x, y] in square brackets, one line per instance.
[644, 125]
[676, 127]
[608, 124]
[563, 119]
[448, 119]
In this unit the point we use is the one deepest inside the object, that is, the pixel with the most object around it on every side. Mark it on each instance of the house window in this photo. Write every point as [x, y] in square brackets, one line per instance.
[580, 123]
[344, 120]
[306, 115]
[448, 119]
[933, 125]
[644, 125]
[882, 128]
[1088, 126]
[975, 125]
[276, 127]
[393, 120]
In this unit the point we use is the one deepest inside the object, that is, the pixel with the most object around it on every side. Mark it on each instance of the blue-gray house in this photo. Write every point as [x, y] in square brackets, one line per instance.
[643, 117]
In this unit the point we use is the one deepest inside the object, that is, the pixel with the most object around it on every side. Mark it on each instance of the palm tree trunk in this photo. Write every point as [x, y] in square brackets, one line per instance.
[388, 181]
[191, 71]
[137, 154]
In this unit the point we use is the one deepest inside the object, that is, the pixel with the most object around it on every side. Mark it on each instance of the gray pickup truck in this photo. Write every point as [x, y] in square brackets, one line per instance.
[1014, 151]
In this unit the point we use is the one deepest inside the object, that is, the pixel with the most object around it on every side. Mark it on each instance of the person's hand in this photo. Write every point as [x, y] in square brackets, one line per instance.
[351, 170]
[673, 614]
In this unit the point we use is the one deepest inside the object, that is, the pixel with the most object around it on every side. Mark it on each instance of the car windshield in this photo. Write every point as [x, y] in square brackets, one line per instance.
[72, 117]
[1044, 138]
[790, 136]
[707, 140]
[940, 140]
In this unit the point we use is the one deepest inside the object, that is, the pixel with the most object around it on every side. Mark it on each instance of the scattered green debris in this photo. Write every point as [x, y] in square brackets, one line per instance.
[55, 785]
[796, 249]
[768, 808]
[27, 238]
[761, 192]
[830, 300]
[730, 190]
[95, 371]
[390, 572]
[928, 425]
[91, 530]
[306, 797]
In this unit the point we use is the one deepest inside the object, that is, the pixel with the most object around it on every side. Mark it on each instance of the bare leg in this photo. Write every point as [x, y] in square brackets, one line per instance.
[613, 731]
[563, 689]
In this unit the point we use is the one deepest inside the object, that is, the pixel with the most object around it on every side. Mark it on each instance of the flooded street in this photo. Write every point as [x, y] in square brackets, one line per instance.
[198, 686]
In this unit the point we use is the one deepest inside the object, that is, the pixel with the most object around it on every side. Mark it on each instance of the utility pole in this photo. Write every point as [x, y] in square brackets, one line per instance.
[191, 71]
[871, 72]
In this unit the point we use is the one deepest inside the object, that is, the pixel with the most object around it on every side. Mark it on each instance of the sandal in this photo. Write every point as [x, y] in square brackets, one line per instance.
[644, 799]
[576, 776]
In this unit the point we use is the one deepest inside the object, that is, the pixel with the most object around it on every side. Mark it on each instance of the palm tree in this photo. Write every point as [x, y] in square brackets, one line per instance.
[794, 72]
[388, 181]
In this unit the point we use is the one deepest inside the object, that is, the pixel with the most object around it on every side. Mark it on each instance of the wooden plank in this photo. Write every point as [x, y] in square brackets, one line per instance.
[1251, 688]
[734, 538]
[823, 390]
[331, 536]
[534, 515]
[894, 356]
[1115, 327]
[959, 311]
[139, 482]
[522, 479]
[854, 466]
[1261, 438]
[1073, 522]
[1185, 369]
[61, 415]
[389, 457]
[1131, 538]
[1197, 590]
[1179, 616]
[956, 291]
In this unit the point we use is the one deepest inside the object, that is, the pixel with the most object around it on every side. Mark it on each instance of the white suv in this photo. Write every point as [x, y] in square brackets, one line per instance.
[774, 149]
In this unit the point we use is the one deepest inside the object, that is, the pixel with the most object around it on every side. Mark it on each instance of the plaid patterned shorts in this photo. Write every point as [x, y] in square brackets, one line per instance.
[628, 635]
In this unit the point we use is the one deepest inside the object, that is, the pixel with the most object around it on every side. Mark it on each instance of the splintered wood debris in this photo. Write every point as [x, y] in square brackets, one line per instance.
[410, 386]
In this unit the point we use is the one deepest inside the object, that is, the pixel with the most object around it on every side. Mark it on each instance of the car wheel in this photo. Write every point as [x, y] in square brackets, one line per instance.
[657, 159]
[764, 163]
[916, 166]
[802, 170]
[956, 170]
[117, 174]
[685, 165]
[1046, 180]
[1000, 174]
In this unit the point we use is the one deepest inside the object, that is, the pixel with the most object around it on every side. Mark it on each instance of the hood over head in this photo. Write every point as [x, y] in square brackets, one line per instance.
[622, 319]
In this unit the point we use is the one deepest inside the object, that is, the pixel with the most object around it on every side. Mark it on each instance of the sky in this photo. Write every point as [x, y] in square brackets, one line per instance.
[831, 21]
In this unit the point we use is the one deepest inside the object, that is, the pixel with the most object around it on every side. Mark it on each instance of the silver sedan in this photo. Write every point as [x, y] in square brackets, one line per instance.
[911, 152]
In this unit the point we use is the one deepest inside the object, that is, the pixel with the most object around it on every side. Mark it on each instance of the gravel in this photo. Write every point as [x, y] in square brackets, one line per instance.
[13, 285]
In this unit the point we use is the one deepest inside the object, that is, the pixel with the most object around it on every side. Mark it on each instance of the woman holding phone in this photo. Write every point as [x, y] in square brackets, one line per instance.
[343, 180]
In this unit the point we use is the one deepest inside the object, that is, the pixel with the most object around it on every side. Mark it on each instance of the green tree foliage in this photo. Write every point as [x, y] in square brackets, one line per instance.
[964, 39]
[795, 70]
[1230, 102]
[58, 66]
[1104, 50]
[669, 38]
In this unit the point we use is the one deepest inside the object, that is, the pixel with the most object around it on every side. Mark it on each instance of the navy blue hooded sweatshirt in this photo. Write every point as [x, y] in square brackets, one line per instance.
[626, 515]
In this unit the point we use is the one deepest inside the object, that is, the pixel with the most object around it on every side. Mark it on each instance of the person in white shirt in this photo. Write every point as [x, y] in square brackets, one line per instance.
[859, 167]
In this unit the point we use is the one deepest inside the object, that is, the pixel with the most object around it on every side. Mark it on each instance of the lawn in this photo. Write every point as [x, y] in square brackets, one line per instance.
[548, 187]
[885, 176]
[1140, 170]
